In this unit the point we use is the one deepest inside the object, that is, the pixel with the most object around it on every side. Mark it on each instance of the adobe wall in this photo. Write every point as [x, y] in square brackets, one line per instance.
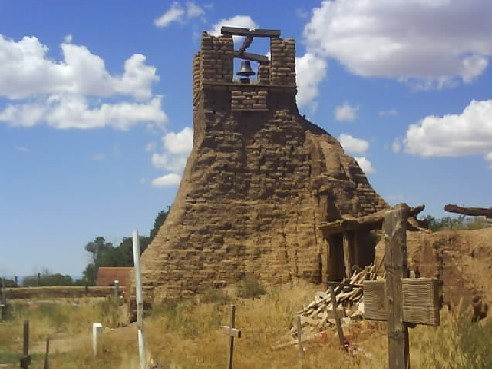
[258, 182]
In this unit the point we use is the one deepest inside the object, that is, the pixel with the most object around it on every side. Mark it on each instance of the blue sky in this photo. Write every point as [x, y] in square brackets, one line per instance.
[96, 111]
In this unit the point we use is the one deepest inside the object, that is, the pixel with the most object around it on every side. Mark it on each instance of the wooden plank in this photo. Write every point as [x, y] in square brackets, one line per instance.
[421, 300]
[375, 300]
[395, 237]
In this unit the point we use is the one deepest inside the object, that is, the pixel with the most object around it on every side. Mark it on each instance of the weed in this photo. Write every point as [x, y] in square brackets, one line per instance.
[250, 287]
[214, 295]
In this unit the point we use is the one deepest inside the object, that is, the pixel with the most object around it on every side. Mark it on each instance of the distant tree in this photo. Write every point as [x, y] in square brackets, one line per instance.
[460, 222]
[158, 222]
[46, 278]
[103, 253]
[97, 250]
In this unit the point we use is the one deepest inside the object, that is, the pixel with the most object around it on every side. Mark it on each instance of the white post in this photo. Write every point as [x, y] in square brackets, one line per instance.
[96, 333]
[138, 285]
[116, 288]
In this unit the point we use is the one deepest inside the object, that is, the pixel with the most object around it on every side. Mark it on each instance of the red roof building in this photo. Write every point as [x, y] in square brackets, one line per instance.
[107, 275]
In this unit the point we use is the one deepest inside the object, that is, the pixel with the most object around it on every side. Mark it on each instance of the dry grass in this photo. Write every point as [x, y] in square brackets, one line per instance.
[186, 335]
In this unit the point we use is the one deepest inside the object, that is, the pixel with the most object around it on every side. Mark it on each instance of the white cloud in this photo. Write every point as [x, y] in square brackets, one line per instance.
[175, 13]
[27, 71]
[171, 179]
[176, 148]
[310, 71]
[365, 164]
[71, 93]
[244, 21]
[488, 157]
[451, 135]
[179, 13]
[433, 42]
[193, 10]
[22, 149]
[75, 111]
[345, 113]
[353, 145]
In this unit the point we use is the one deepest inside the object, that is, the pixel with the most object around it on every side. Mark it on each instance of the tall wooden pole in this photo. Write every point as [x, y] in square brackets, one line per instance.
[395, 262]
[138, 285]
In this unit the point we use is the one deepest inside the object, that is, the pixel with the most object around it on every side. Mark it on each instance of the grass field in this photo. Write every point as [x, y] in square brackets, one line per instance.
[187, 335]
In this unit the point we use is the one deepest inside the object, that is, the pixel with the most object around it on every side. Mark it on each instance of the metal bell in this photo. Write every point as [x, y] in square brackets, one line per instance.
[246, 70]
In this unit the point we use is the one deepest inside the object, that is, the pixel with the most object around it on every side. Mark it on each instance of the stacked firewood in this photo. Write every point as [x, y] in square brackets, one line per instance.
[318, 315]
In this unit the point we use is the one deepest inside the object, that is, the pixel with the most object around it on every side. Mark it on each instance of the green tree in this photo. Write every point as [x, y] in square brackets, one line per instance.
[103, 253]
[98, 250]
[158, 222]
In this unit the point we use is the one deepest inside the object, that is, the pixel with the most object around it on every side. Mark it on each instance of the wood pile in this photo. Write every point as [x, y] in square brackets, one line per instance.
[318, 315]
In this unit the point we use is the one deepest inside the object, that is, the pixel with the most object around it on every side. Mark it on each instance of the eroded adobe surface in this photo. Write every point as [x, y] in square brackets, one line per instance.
[257, 184]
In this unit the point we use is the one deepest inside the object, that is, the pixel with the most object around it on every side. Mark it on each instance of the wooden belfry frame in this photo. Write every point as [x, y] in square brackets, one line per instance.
[249, 34]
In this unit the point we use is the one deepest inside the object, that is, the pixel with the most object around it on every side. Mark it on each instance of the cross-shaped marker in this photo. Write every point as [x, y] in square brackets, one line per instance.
[232, 332]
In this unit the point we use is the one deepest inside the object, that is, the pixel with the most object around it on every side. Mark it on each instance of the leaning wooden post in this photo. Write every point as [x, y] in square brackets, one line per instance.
[232, 332]
[25, 360]
[395, 263]
[138, 285]
[299, 336]
[338, 323]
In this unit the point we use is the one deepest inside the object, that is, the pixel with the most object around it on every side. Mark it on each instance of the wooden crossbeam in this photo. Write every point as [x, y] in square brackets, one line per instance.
[231, 332]
[251, 56]
[452, 208]
[259, 32]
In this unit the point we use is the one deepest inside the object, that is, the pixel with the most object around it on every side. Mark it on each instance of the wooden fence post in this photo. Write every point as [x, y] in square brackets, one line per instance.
[25, 360]
[46, 355]
[3, 301]
[395, 238]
